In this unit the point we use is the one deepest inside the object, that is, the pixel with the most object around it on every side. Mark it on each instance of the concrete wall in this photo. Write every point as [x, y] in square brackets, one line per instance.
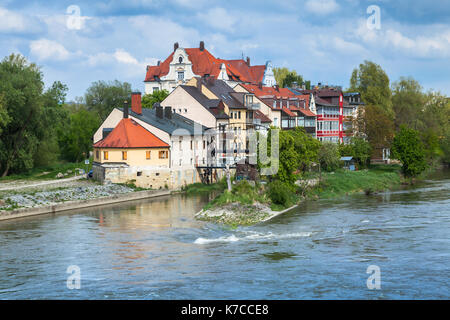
[147, 177]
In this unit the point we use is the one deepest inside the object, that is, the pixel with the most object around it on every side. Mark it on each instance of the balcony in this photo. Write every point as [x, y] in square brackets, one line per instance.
[253, 106]
[256, 121]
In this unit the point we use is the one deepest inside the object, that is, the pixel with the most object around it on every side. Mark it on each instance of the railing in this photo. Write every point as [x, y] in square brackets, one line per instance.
[254, 106]
[256, 121]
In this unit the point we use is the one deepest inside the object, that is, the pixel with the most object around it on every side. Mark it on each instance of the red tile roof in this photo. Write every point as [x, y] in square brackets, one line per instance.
[203, 62]
[130, 134]
[259, 115]
[288, 112]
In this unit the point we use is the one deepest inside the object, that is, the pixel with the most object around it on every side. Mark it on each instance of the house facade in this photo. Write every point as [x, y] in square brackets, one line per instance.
[187, 141]
[185, 63]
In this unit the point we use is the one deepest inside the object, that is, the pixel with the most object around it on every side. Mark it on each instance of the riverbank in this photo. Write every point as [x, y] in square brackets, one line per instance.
[247, 205]
[29, 198]
[80, 204]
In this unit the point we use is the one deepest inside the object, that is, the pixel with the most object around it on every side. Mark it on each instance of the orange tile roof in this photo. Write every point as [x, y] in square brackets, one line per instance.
[288, 112]
[130, 134]
[203, 62]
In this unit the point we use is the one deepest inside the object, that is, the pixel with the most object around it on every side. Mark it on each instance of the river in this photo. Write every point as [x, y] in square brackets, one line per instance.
[155, 249]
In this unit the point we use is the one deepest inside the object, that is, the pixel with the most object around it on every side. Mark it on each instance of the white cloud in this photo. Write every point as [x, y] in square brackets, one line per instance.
[45, 49]
[218, 18]
[430, 42]
[321, 7]
[13, 22]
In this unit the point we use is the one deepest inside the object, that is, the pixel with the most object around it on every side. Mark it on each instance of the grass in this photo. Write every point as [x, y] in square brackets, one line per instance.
[200, 188]
[242, 193]
[49, 172]
[343, 182]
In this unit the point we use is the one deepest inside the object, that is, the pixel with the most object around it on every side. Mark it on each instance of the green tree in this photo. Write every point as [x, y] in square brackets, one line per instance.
[21, 88]
[76, 140]
[102, 97]
[361, 150]
[287, 156]
[408, 148]
[306, 146]
[373, 83]
[285, 77]
[408, 101]
[148, 100]
[54, 118]
[329, 156]
[445, 146]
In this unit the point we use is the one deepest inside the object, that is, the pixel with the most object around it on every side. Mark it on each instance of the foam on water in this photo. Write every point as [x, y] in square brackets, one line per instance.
[253, 236]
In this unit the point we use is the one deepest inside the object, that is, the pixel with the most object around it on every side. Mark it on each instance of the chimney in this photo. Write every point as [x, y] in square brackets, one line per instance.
[277, 87]
[125, 109]
[159, 111]
[168, 112]
[159, 63]
[202, 46]
[175, 46]
[260, 85]
[136, 102]
[248, 61]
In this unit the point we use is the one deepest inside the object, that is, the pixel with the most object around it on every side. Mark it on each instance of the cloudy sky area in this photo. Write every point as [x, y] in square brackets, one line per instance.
[324, 40]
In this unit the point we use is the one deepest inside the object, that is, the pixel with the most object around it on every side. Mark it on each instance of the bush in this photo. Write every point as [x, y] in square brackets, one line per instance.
[329, 156]
[408, 148]
[279, 192]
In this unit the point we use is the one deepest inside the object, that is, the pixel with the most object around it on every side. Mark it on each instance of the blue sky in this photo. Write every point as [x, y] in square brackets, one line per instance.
[324, 40]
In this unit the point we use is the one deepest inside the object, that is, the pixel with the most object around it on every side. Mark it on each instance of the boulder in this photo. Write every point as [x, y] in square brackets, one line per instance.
[59, 175]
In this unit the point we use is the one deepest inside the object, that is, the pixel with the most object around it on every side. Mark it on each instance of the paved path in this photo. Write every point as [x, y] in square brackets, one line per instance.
[23, 184]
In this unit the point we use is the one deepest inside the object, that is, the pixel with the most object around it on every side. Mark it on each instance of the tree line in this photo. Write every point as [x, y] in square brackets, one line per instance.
[38, 127]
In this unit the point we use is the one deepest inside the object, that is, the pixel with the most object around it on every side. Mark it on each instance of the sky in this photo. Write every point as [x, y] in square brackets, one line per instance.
[79, 42]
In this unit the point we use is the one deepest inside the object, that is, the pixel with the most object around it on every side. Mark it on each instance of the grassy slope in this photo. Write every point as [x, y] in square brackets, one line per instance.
[48, 172]
[377, 178]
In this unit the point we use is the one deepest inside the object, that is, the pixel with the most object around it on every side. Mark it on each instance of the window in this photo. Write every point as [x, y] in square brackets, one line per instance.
[180, 59]
[139, 173]
[163, 154]
[274, 103]
[204, 144]
[155, 89]
[181, 75]
[148, 155]
[275, 122]
[97, 154]
[239, 114]
[105, 155]
[192, 144]
[124, 155]
[185, 110]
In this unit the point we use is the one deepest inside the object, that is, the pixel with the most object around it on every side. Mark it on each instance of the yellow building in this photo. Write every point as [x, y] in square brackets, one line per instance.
[127, 152]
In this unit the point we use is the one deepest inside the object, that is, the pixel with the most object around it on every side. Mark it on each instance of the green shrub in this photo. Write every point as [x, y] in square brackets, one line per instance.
[279, 192]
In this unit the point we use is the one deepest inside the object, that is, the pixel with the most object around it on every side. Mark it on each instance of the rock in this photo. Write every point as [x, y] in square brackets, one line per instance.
[59, 175]
[65, 174]
[2, 203]
[69, 171]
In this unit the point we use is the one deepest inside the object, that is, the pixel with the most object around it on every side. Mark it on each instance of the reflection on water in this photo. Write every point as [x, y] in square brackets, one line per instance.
[155, 249]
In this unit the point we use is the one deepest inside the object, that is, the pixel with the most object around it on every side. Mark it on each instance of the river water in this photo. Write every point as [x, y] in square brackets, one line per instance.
[155, 249]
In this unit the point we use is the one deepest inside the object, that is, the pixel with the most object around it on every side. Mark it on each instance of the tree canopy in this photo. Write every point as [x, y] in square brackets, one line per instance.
[408, 148]
[286, 78]
[148, 100]
[103, 96]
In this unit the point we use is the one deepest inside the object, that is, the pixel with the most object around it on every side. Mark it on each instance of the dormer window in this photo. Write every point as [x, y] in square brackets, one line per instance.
[180, 59]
